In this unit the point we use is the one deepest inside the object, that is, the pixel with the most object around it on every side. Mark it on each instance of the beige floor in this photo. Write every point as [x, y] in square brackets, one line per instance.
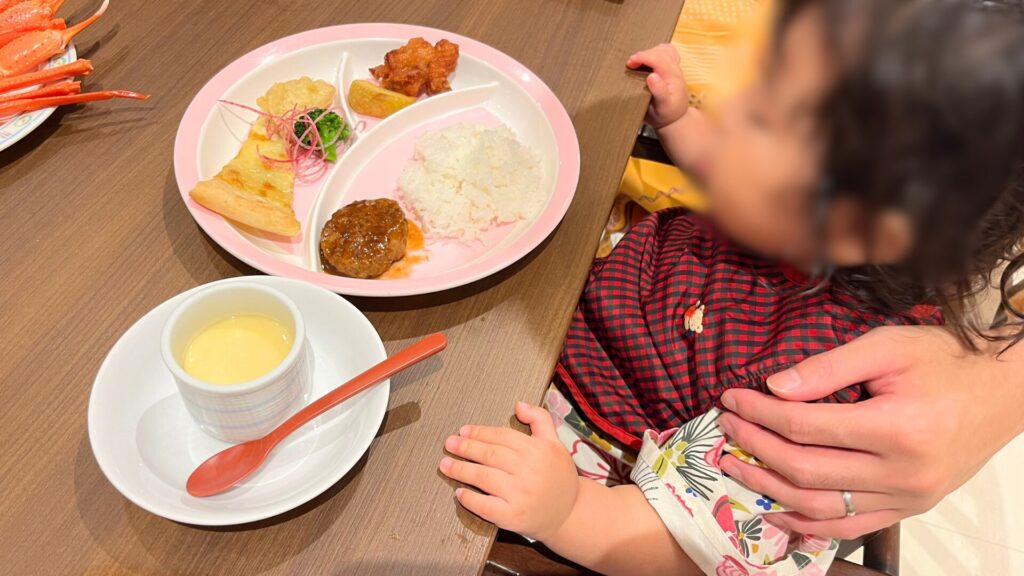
[977, 530]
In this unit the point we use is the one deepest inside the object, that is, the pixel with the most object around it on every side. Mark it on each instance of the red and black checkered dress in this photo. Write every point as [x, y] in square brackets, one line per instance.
[635, 357]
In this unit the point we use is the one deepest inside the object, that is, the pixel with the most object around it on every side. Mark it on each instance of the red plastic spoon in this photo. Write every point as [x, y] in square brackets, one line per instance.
[227, 467]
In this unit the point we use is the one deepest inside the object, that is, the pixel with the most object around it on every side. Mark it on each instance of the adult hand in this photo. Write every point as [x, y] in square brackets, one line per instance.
[936, 414]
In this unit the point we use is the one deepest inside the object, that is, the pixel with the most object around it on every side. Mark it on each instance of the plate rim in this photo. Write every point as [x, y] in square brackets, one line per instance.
[231, 518]
[218, 229]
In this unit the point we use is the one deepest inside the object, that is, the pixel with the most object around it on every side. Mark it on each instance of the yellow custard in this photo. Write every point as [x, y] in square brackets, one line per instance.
[237, 349]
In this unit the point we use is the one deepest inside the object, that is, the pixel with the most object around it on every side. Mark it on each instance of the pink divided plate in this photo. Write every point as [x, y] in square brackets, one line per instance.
[488, 87]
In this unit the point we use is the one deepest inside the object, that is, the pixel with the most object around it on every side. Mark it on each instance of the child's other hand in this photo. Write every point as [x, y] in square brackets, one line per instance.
[529, 483]
[670, 98]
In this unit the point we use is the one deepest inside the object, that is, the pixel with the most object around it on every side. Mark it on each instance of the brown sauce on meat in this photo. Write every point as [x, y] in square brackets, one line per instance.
[363, 239]
[366, 237]
[413, 243]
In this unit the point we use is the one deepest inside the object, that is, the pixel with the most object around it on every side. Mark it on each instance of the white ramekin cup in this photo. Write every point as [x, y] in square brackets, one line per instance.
[248, 410]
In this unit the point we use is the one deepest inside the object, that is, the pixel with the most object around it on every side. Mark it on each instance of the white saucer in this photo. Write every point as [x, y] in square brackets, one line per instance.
[147, 444]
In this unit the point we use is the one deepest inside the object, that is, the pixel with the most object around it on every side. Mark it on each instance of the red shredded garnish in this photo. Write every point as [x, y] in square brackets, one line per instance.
[307, 160]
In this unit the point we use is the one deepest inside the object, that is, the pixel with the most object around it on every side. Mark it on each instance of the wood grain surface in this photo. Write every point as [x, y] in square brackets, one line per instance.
[94, 234]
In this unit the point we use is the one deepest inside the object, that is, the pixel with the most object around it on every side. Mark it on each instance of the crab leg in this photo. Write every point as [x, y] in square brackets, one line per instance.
[76, 68]
[5, 4]
[29, 104]
[58, 89]
[28, 51]
[7, 37]
[25, 15]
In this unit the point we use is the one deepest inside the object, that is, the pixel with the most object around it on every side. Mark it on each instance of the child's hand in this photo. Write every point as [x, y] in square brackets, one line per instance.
[670, 98]
[529, 482]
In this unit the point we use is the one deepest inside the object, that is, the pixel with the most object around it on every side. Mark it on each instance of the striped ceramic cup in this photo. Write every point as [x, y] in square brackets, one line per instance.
[248, 410]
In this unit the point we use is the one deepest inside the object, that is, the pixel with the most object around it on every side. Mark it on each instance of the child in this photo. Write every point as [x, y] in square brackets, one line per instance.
[869, 175]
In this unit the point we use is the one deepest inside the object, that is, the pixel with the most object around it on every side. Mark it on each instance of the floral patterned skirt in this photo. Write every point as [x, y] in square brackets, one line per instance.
[724, 527]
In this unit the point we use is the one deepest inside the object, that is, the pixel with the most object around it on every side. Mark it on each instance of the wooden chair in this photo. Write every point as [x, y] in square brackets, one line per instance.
[511, 555]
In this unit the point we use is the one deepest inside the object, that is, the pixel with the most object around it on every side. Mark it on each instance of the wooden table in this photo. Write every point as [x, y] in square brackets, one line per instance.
[94, 234]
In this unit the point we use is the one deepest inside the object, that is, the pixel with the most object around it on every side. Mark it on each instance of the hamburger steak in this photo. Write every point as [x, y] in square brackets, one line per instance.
[363, 239]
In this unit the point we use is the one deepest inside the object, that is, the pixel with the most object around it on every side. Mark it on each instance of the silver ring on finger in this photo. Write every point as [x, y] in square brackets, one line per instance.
[848, 504]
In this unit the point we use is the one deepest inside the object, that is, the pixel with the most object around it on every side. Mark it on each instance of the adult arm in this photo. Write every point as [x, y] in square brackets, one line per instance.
[936, 415]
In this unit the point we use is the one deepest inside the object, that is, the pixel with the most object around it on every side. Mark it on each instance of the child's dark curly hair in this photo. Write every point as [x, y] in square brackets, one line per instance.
[927, 117]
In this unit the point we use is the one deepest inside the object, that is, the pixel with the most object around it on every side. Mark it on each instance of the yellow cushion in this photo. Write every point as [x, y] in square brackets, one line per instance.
[704, 33]
[718, 43]
[656, 186]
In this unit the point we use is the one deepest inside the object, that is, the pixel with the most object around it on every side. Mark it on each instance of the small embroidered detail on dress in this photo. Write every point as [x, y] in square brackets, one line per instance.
[693, 318]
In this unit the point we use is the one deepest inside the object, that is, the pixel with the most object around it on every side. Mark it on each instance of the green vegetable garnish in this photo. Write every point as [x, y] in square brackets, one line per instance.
[331, 128]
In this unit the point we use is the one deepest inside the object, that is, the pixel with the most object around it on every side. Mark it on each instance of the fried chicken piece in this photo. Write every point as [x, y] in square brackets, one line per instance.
[405, 69]
[408, 69]
[446, 57]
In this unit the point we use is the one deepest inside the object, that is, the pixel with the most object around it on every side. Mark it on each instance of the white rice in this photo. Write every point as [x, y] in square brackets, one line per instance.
[468, 178]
